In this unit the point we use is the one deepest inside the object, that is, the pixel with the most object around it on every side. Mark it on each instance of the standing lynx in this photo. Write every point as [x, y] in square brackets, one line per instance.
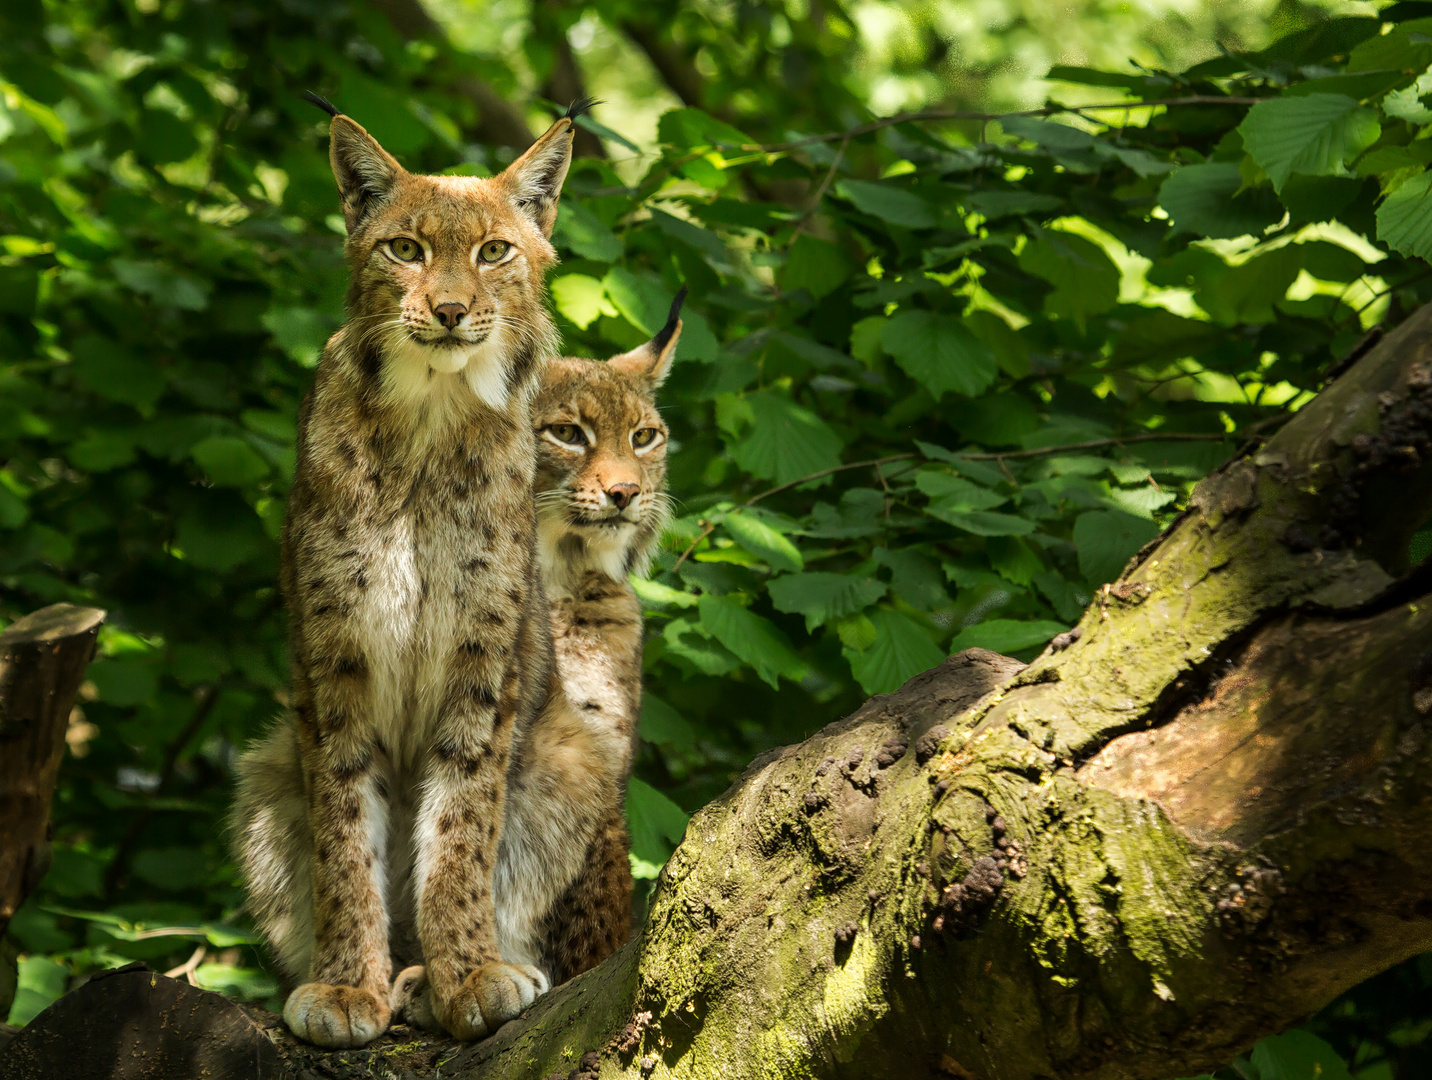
[369, 822]
[601, 483]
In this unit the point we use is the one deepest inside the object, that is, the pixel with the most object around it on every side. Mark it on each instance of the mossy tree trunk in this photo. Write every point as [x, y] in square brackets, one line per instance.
[1196, 822]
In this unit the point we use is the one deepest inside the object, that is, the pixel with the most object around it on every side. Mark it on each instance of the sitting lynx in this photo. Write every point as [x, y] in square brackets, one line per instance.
[370, 822]
[601, 506]
[601, 483]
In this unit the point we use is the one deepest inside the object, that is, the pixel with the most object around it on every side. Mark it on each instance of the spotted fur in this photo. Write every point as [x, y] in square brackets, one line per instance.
[368, 823]
[563, 879]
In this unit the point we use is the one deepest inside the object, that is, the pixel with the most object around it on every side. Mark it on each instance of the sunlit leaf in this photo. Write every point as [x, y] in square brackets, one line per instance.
[939, 352]
[1312, 134]
[761, 540]
[821, 597]
[1005, 635]
[901, 650]
[757, 641]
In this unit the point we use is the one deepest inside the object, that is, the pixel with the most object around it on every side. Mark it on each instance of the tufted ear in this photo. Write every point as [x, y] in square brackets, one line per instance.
[535, 179]
[652, 361]
[366, 173]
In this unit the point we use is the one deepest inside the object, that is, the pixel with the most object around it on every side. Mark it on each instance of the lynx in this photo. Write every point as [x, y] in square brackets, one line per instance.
[369, 822]
[601, 506]
[601, 498]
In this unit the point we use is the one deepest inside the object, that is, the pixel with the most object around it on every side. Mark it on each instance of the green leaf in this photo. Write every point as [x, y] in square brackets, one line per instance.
[889, 203]
[786, 442]
[124, 681]
[1314, 134]
[1206, 200]
[659, 595]
[915, 577]
[982, 522]
[692, 128]
[939, 352]
[299, 331]
[657, 824]
[1297, 1055]
[821, 597]
[817, 266]
[1404, 220]
[219, 535]
[1085, 279]
[1106, 540]
[641, 298]
[998, 204]
[761, 540]
[581, 299]
[1005, 635]
[581, 232]
[165, 285]
[114, 372]
[230, 461]
[954, 494]
[40, 983]
[902, 650]
[688, 643]
[757, 641]
[663, 725]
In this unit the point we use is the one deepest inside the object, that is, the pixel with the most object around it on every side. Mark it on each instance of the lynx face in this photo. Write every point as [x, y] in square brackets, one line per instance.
[447, 271]
[601, 461]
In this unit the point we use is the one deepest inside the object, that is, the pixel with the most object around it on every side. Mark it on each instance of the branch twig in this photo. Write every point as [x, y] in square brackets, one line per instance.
[999, 456]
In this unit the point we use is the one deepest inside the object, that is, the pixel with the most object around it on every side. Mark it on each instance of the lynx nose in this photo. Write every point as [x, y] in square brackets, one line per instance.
[450, 314]
[621, 494]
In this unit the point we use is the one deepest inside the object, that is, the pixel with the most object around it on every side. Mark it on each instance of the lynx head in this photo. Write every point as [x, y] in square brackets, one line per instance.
[446, 272]
[601, 461]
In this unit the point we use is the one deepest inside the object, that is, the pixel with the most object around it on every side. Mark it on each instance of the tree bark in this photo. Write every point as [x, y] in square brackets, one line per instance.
[42, 662]
[1185, 827]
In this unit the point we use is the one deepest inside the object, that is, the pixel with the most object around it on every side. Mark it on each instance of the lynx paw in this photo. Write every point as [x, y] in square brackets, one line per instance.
[411, 1002]
[492, 995]
[335, 1016]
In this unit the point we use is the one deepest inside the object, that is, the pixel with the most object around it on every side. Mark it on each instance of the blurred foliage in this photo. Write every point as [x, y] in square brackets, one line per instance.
[939, 379]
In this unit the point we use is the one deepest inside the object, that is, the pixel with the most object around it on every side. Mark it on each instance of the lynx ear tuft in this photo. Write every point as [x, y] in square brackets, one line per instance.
[322, 102]
[581, 106]
[652, 361]
[366, 173]
[535, 179]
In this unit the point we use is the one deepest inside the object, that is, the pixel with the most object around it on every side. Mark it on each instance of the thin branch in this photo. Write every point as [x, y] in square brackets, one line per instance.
[187, 967]
[208, 696]
[963, 114]
[820, 191]
[1009, 455]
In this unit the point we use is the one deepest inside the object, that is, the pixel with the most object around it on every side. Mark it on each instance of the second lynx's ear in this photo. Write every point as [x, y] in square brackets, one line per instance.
[366, 173]
[652, 361]
[535, 179]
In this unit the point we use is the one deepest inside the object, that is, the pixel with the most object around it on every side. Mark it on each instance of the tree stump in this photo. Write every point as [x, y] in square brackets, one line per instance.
[42, 662]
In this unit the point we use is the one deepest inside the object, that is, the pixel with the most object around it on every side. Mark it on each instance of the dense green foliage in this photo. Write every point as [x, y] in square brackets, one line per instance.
[939, 380]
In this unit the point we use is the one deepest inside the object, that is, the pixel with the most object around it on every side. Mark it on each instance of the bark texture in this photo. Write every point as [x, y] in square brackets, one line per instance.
[1185, 826]
[42, 662]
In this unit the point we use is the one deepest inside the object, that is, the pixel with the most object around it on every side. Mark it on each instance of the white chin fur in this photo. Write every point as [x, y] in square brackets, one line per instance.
[605, 550]
[481, 365]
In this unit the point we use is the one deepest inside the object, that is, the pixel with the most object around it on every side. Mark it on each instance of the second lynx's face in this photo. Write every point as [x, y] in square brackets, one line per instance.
[601, 461]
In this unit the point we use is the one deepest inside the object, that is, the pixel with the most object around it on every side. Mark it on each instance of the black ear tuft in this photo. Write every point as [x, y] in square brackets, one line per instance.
[673, 317]
[580, 106]
[322, 102]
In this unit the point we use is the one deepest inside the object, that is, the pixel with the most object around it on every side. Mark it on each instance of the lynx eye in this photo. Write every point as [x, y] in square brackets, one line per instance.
[568, 434]
[493, 251]
[405, 249]
[644, 437]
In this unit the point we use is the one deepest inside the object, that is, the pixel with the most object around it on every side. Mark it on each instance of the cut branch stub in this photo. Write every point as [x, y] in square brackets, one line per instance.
[42, 662]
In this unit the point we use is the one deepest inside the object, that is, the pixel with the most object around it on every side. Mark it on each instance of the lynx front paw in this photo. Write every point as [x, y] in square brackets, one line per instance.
[492, 995]
[335, 1016]
[411, 1001]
